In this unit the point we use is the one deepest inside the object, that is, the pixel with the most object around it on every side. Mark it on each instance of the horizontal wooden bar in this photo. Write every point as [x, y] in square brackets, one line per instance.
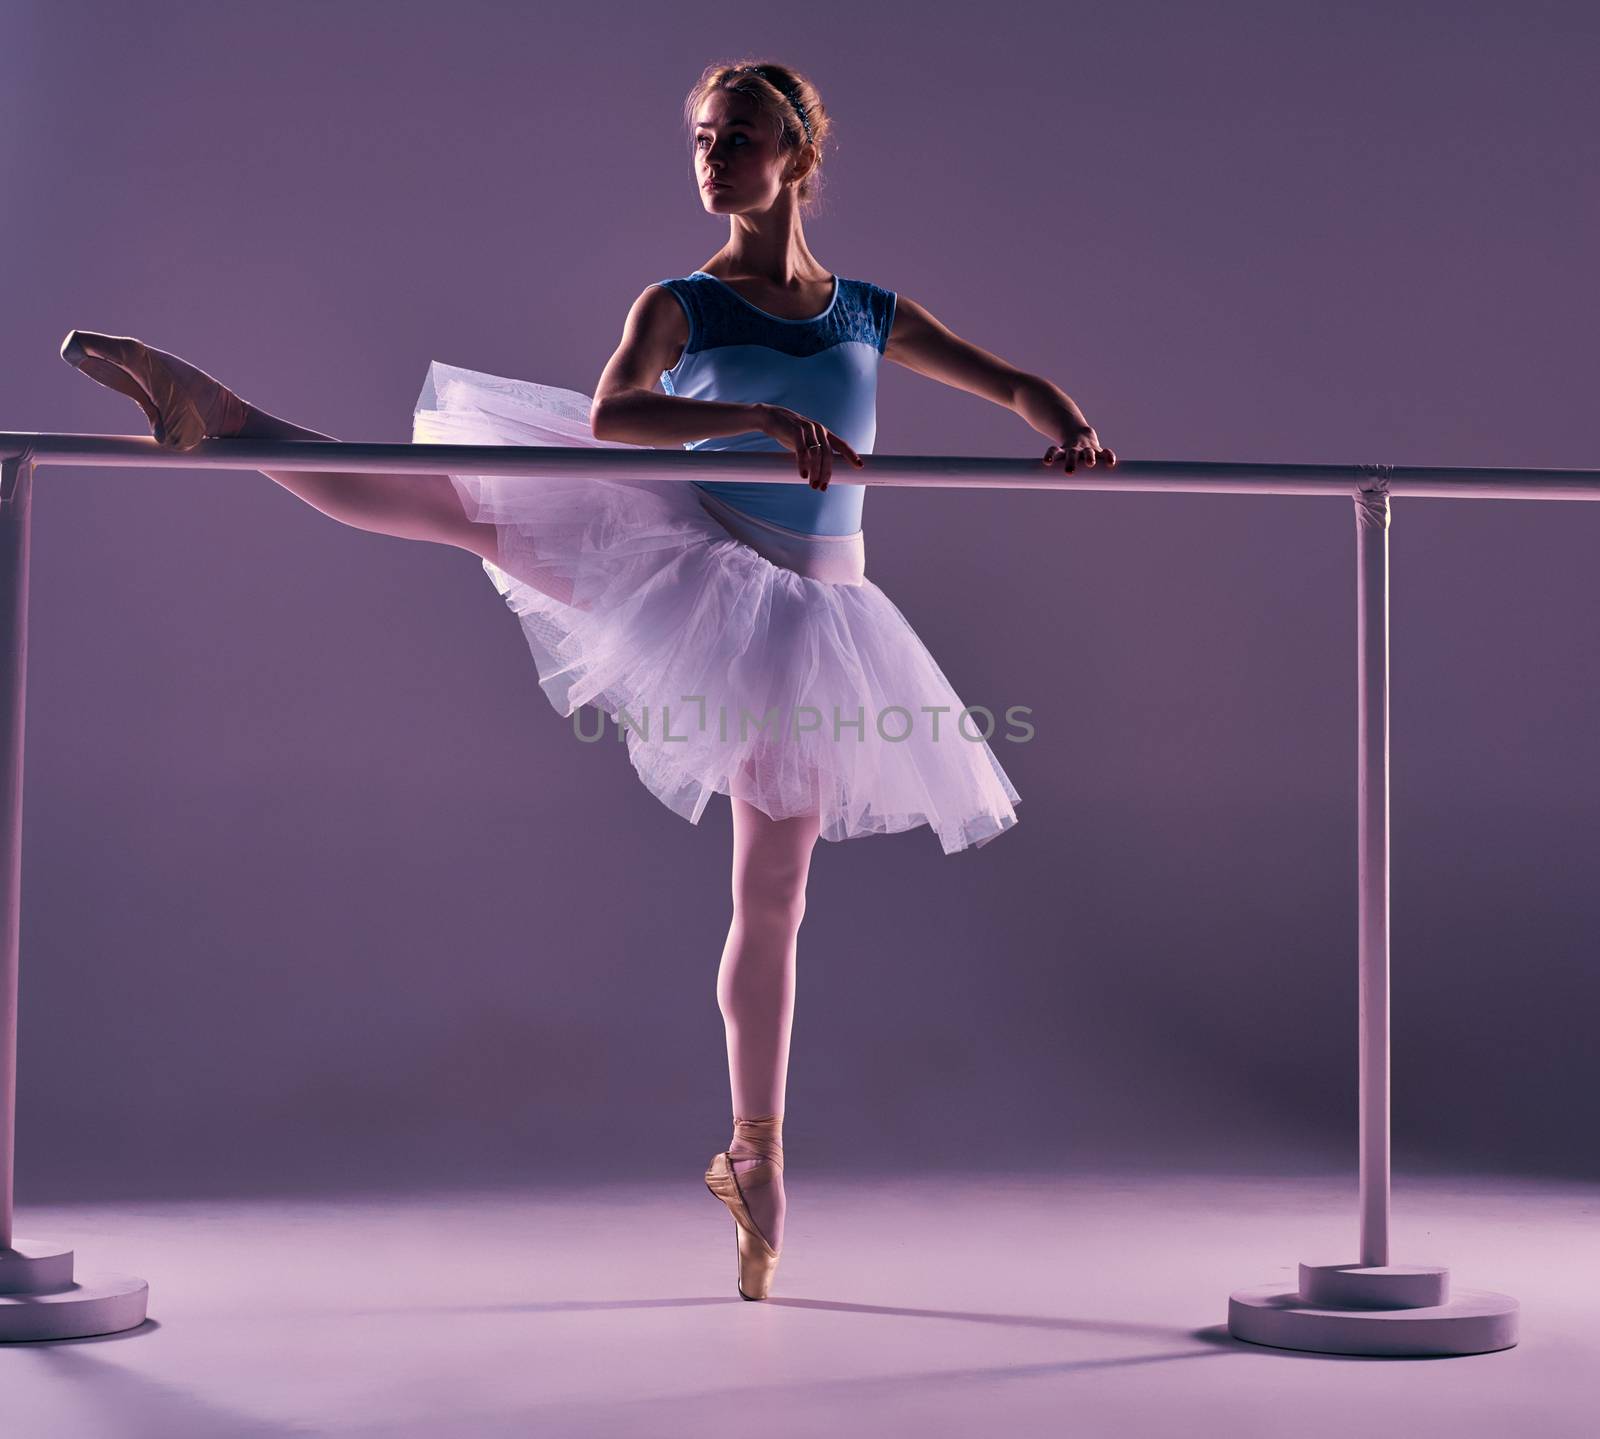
[921, 471]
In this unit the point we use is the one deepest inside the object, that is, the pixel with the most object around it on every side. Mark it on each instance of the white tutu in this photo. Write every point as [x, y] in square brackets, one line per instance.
[729, 673]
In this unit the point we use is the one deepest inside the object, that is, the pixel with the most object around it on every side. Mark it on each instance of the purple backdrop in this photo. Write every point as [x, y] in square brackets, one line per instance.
[318, 891]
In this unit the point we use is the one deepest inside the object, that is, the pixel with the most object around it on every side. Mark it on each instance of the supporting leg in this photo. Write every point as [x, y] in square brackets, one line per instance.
[756, 979]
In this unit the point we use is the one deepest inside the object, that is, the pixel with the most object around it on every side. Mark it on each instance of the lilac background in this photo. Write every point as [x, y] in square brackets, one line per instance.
[318, 890]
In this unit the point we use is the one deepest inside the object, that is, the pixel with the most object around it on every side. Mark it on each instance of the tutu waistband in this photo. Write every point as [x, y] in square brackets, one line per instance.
[834, 559]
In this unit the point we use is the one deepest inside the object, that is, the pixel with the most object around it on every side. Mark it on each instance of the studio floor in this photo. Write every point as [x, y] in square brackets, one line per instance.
[919, 1306]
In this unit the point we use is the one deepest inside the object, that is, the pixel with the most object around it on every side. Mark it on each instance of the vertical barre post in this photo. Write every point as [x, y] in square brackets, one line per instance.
[16, 493]
[1372, 809]
[1373, 1306]
[42, 1294]
[1372, 863]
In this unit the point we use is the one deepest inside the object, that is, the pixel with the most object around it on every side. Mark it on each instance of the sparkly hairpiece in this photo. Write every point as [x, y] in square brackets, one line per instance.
[792, 96]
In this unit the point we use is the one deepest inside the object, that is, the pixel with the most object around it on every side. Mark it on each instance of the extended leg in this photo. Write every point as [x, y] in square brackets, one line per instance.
[413, 507]
[410, 506]
[756, 979]
[185, 405]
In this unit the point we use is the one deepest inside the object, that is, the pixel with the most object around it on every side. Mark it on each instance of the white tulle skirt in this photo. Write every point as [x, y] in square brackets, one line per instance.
[738, 657]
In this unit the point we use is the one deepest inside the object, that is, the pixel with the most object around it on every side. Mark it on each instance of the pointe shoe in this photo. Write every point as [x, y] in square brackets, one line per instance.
[758, 1260]
[183, 404]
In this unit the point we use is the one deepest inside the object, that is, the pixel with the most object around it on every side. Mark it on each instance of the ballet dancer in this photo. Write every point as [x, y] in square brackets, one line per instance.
[697, 596]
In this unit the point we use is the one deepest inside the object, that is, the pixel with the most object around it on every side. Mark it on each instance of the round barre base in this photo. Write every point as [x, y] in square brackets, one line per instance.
[39, 1299]
[1389, 1310]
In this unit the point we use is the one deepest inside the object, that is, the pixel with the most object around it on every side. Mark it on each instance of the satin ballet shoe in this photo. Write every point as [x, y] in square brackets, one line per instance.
[760, 1137]
[183, 404]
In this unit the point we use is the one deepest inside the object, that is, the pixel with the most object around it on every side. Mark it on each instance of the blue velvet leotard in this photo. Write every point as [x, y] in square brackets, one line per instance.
[825, 368]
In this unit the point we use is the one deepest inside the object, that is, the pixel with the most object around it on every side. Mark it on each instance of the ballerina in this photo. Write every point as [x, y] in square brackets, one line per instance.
[671, 599]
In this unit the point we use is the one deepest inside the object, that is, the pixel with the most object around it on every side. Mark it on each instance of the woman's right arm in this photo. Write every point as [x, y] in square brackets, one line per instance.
[627, 406]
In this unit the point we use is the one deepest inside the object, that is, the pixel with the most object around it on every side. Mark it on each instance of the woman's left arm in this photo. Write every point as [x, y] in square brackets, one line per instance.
[920, 342]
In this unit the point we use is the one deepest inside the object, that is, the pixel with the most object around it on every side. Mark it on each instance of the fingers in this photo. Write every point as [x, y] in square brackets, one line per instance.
[1059, 452]
[845, 450]
[1086, 449]
[816, 459]
[815, 446]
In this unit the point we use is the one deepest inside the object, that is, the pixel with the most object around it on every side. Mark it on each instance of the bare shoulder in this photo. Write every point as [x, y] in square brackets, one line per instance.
[653, 339]
[655, 314]
[911, 325]
[922, 342]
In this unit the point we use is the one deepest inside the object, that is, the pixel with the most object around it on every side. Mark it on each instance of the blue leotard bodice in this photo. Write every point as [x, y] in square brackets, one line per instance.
[825, 368]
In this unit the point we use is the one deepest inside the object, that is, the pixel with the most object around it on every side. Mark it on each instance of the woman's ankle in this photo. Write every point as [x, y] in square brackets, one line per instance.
[758, 1134]
[259, 425]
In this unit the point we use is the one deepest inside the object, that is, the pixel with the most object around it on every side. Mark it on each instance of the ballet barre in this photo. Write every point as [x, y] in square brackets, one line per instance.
[1369, 1306]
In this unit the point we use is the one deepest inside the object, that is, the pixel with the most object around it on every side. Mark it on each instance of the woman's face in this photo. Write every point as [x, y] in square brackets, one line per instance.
[737, 163]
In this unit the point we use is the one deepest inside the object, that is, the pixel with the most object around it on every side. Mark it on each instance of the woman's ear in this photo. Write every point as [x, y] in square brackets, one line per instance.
[804, 162]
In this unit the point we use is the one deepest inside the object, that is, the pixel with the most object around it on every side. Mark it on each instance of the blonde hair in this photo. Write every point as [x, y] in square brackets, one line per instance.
[775, 89]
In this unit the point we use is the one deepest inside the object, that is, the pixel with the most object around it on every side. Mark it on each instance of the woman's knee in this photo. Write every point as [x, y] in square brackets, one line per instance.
[777, 912]
[769, 882]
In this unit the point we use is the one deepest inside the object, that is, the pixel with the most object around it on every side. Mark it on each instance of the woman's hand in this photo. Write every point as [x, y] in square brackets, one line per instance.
[813, 444]
[1079, 443]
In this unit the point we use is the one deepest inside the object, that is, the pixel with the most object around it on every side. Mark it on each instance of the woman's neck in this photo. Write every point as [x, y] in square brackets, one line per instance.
[785, 264]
